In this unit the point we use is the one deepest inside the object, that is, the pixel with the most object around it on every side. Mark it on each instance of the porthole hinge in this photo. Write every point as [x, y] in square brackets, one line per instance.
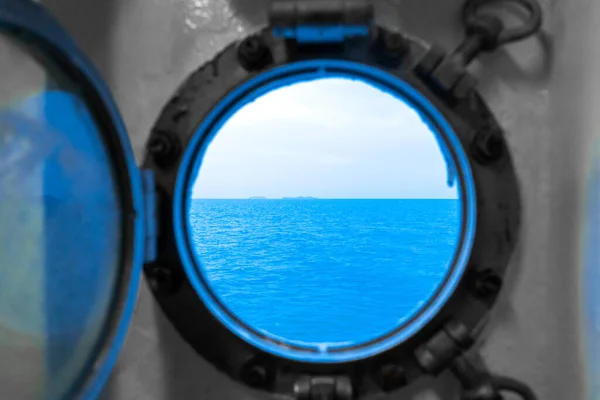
[324, 388]
[442, 349]
[150, 225]
[321, 21]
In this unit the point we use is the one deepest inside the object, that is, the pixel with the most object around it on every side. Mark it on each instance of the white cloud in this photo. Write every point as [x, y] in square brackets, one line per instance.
[325, 103]
[328, 138]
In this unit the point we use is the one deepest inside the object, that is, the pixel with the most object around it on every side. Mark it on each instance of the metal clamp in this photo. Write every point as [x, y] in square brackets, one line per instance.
[485, 33]
[323, 388]
[321, 21]
[479, 384]
[530, 27]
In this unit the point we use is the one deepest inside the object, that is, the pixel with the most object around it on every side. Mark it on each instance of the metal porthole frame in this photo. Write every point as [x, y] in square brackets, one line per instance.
[179, 135]
[290, 74]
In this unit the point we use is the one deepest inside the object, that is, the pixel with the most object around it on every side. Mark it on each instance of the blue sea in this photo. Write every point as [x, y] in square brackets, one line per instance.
[325, 271]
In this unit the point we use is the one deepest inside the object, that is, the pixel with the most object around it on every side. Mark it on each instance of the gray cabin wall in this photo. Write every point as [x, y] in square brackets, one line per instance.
[543, 92]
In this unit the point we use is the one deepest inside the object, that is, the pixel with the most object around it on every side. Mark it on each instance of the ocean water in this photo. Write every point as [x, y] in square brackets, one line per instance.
[325, 271]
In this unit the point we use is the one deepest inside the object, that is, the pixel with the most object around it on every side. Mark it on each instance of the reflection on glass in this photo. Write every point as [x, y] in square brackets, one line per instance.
[322, 213]
[59, 228]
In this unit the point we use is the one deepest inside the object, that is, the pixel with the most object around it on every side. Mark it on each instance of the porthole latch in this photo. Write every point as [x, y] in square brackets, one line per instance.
[321, 21]
[485, 32]
[323, 388]
[479, 384]
[442, 349]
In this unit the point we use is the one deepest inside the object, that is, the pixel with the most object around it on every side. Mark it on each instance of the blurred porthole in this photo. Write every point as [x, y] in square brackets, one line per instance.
[61, 230]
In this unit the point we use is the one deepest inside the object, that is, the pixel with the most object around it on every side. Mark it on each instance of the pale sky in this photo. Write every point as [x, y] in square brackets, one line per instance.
[329, 138]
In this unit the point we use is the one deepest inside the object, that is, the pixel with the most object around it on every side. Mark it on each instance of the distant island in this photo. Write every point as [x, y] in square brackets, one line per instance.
[283, 198]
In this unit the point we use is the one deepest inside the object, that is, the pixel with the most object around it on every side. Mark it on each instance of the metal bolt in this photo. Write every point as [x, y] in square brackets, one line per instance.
[460, 334]
[488, 146]
[164, 148]
[388, 48]
[487, 283]
[302, 388]
[160, 280]
[392, 376]
[255, 374]
[343, 388]
[158, 144]
[394, 42]
[254, 54]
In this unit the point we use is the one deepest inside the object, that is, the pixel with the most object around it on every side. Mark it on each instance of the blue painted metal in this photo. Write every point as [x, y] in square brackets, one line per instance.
[32, 18]
[150, 215]
[321, 33]
[288, 75]
[591, 274]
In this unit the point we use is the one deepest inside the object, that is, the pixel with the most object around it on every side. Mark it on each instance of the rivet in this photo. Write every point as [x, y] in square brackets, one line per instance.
[254, 54]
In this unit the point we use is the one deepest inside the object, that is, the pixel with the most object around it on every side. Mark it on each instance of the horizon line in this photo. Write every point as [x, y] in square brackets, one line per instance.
[323, 198]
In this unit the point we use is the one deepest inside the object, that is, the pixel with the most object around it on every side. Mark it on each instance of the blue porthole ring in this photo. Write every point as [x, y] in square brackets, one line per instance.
[490, 219]
[282, 76]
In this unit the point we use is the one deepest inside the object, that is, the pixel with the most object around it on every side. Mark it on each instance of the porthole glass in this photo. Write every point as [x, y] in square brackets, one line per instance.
[60, 236]
[326, 214]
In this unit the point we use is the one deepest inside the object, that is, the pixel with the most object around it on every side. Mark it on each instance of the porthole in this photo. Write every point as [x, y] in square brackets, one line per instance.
[200, 120]
[408, 302]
